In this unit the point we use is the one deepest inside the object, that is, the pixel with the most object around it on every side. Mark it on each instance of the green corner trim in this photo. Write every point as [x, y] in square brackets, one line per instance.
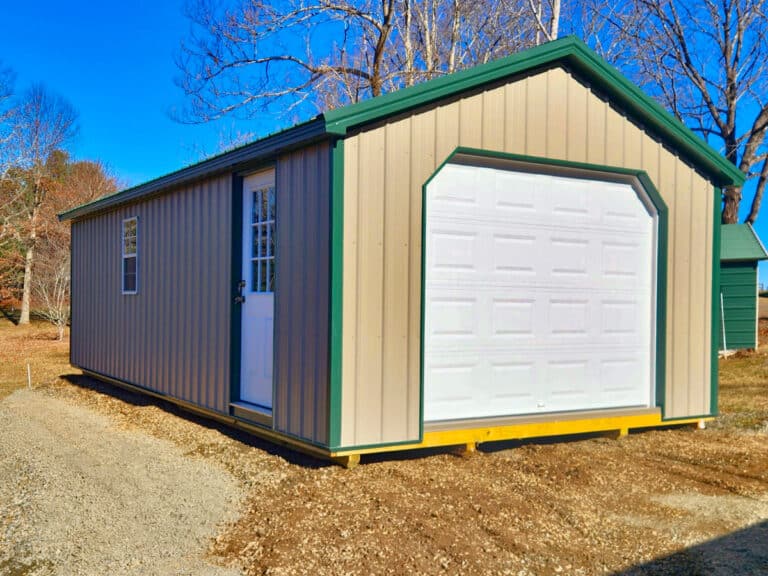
[714, 385]
[576, 56]
[236, 266]
[336, 288]
[662, 248]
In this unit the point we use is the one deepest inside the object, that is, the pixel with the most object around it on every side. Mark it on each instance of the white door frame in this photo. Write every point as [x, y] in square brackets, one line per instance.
[257, 291]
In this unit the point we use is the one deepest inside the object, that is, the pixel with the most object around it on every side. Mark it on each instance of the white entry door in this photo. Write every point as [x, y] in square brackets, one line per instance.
[539, 294]
[258, 309]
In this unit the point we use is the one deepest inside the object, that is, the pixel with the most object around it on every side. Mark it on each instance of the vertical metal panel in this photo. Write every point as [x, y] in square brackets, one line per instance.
[470, 121]
[350, 302]
[172, 336]
[697, 401]
[493, 105]
[301, 300]
[396, 280]
[536, 115]
[370, 295]
[542, 114]
[557, 114]
[578, 114]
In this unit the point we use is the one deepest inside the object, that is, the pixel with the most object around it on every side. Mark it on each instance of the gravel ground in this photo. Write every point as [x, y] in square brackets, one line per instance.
[78, 496]
[669, 502]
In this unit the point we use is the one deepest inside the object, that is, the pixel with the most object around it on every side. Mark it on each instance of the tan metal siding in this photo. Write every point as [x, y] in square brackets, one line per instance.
[173, 336]
[548, 114]
[301, 299]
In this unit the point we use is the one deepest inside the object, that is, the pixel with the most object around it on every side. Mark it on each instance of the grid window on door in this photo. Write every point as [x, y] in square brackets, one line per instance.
[263, 240]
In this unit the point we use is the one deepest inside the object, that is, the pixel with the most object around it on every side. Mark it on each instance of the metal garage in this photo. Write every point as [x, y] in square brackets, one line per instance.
[530, 247]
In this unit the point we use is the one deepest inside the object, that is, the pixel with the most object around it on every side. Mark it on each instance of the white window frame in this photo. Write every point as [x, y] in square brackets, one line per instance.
[125, 255]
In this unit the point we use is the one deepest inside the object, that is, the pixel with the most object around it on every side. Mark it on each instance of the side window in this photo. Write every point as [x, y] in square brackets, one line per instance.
[130, 244]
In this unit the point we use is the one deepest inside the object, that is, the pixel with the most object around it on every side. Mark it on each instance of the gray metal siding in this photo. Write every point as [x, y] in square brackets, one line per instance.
[301, 301]
[173, 336]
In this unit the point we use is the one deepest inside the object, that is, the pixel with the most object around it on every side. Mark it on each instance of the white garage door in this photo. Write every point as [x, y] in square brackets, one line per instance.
[539, 294]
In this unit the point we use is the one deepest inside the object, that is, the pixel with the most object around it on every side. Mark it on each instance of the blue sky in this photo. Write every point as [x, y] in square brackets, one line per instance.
[115, 62]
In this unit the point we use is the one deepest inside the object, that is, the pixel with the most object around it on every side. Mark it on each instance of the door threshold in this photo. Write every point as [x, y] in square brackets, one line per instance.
[252, 412]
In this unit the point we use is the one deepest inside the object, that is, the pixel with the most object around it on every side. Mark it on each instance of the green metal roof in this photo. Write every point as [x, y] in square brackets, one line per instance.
[569, 52]
[740, 242]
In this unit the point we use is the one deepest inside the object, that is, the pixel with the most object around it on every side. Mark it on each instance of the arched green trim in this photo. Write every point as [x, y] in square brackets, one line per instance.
[584, 170]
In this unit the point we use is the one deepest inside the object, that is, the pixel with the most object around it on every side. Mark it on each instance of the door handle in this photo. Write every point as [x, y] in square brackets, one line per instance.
[240, 298]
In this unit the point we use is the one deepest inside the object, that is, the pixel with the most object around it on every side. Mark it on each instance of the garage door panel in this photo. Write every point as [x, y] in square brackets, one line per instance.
[620, 379]
[452, 317]
[568, 257]
[570, 201]
[513, 317]
[513, 254]
[568, 317]
[453, 392]
[539, 295]
[622, 259]
[455, 250]
[568, 378]
[460, 192]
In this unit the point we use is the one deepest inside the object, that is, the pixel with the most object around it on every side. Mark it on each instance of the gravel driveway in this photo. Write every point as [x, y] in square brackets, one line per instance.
[80, 496]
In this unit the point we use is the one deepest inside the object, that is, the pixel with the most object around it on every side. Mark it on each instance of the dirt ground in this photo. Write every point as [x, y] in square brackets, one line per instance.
[678, 501]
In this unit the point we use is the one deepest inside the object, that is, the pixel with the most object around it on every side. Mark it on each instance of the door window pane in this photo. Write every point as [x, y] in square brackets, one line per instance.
[263, 247]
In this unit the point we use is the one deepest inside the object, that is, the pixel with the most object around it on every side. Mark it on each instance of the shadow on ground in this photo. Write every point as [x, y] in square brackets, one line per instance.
[137, 399]
[744, 552]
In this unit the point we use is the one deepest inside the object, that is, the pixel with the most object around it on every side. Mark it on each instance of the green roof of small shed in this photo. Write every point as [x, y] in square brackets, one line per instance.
[740, 242]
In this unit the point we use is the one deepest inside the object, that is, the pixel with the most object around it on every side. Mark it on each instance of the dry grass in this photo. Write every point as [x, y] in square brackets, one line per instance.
[35, 344]
[744, 387]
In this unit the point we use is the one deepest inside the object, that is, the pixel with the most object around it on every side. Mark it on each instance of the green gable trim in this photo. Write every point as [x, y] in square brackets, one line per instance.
[570, 52]
[237, 160]
[740, 242]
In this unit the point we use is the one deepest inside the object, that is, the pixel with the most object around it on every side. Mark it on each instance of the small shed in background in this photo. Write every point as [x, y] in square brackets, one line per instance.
[740, 252]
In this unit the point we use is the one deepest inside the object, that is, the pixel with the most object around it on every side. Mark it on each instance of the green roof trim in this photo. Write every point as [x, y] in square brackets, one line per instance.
[578, 57]
[569, 52]
[739, 242]
[230, 161]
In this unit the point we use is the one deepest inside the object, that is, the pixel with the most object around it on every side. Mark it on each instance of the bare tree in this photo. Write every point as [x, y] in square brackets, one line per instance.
[71, 184]
[6, 112]
[262, 55]
[52, 282]
[546, 16]
[436, 37]
[302, 55]
[706, 61]
[42, 123]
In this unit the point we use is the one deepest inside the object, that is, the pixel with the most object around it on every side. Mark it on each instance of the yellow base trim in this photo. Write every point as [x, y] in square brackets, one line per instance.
[618, 425]
[466, 438]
